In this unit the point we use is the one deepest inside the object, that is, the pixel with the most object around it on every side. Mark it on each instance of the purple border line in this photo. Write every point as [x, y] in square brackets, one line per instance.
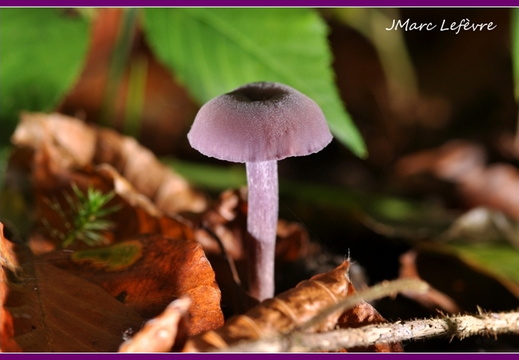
[256, 356]
[259, 3]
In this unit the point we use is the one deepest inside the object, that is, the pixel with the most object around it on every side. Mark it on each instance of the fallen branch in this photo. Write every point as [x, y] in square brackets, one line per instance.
[462, 326]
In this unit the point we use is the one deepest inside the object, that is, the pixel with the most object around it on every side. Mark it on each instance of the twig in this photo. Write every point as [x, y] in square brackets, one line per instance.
[462, 326]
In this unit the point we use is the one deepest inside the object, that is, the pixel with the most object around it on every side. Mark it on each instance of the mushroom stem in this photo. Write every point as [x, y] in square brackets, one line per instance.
[262, 218]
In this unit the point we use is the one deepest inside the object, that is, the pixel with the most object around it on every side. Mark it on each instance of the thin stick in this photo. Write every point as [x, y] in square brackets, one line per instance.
[490, 324]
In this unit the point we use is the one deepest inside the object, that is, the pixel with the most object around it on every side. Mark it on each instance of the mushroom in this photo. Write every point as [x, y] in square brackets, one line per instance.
[258, 124]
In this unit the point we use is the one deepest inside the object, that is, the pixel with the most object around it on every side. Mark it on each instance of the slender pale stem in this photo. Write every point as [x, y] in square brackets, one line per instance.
[262, 218]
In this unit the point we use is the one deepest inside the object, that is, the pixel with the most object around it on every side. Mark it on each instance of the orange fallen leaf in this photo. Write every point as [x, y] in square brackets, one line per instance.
[7, 256]
[7, 341]
[63, 144]
[48, 309]
[147, 272]
[8, 263]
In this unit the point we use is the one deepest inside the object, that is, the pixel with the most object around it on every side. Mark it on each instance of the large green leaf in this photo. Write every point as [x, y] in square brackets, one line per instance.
[214, 51]
[42, 51]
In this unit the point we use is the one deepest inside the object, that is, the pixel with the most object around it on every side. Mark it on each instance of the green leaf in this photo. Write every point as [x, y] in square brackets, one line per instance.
[499, 258]
[42, 53]
[214, 51]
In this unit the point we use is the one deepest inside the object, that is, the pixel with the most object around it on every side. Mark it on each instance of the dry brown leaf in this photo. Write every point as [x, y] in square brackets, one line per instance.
[227, 220]
[282, 314]
[59, 162]
[8, 263]
[49, 309]
[161, 333]
[7, 341]
[365, 314]
[293, 242]
[136, 213]
[7, 255]
[64, 144]
[147, 272]
[223, 225]
[463, 164]
[170, 192]
[451, 161]
[494, 187]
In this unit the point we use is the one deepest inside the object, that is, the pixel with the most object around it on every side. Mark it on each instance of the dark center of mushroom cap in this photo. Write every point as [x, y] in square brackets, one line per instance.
[259, 92]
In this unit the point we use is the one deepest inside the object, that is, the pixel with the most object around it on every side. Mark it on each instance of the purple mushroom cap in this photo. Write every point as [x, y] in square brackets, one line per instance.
[258, 122]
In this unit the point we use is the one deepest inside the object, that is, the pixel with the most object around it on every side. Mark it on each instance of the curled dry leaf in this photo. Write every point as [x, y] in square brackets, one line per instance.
[58, 162]
[8, 263]
[160, 333]
[365, 314]
[452, 161]
[168, 190]
[7, 256]
[223, 225]
[226, 220]
[494, 187]
[463, 164]
[7, 341]
[65, 144]
[282, 314]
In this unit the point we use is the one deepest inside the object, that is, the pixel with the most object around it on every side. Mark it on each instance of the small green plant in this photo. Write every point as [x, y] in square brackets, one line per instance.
[85, 221]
